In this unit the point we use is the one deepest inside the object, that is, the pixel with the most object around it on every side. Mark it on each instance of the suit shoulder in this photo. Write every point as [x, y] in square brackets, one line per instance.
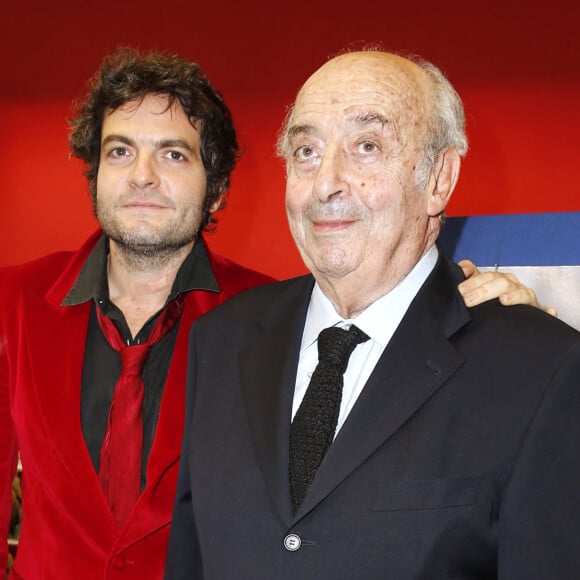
[523, 329]
[233, 277]
[39, 273]
[253, 302]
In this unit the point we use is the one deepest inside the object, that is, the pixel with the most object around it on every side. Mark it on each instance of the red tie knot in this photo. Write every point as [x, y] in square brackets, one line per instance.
[133, 359]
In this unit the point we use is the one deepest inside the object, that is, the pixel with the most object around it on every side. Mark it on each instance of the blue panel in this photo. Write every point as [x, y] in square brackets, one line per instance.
[542, 239]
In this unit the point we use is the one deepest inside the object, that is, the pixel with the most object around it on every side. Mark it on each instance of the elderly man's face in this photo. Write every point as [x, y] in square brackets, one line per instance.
[354, 149]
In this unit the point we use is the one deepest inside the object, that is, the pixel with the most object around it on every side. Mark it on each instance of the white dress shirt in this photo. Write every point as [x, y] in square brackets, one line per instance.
[379, 321]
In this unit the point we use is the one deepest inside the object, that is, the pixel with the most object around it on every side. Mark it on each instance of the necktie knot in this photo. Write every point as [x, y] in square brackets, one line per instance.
[133, 359]
[335, 345]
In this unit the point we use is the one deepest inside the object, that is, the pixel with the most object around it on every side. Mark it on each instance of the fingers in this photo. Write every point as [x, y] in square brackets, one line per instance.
[468, 267]
[483, 286]
[521, 295]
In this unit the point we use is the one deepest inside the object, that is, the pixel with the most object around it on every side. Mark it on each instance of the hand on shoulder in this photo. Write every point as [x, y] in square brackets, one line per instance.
[482, 286]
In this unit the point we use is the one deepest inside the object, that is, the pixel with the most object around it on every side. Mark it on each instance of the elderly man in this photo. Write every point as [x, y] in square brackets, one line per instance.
[423, 440]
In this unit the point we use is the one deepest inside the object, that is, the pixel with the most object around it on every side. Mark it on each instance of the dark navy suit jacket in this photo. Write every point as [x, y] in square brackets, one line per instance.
[460, 460]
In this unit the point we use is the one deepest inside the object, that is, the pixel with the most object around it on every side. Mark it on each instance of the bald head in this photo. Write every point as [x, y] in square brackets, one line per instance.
[419, 95]
[356, 66]
[388, 72]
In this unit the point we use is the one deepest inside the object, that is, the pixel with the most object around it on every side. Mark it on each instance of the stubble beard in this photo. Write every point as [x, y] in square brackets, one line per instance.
[145, 248]
[140, 253]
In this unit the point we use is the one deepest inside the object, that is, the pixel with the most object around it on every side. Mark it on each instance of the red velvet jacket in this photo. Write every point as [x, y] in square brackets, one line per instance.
[68, 531]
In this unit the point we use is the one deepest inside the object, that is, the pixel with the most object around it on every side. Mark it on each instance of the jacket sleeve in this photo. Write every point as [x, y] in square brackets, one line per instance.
[539, 516]
[183, 553]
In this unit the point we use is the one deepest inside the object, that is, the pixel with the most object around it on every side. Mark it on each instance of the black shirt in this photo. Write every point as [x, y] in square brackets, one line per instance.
[102, 365]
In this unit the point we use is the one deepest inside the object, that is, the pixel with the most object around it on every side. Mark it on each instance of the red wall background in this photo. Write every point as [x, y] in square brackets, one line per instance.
[515, 63]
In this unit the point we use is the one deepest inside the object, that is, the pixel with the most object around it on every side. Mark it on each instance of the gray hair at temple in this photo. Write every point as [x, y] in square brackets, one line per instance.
[445, 128]
[446, 125]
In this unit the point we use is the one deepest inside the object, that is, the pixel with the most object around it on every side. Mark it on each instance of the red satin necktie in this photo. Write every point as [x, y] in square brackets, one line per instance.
[121, 453]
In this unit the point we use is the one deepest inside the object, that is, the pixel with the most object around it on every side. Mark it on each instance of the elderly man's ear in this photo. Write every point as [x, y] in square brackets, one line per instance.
[443, 180]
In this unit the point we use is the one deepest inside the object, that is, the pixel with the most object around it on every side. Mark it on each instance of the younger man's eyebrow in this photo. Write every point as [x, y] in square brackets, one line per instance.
[118, 138]
[178, 143]
[159, 144]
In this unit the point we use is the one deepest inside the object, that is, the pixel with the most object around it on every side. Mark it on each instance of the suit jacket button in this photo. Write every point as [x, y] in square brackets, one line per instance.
[292, 542]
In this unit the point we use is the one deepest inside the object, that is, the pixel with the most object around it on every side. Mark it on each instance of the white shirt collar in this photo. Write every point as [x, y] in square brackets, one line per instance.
[381, 318]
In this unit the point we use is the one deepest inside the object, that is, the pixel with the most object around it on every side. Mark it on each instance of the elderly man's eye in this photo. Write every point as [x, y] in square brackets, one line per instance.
[367, 147]
[304, 152]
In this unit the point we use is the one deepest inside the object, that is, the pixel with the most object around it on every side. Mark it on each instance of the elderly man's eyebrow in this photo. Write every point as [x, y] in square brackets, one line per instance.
[368, 118]
[360, 118]
[295, 130]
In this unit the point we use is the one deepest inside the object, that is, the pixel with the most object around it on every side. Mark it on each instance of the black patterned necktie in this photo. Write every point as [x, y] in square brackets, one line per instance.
[314, 425]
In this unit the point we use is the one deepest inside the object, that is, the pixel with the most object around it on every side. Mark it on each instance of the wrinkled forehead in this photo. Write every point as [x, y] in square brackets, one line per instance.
[359, 84]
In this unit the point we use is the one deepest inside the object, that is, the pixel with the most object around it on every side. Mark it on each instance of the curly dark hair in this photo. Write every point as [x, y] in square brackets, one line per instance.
[126, 75]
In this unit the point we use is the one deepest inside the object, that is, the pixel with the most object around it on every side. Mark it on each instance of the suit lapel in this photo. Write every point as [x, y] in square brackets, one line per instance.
[268, 374]
[166, 448]
[417, 362]
[48, 396]
[48, 332]
[167, 442]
